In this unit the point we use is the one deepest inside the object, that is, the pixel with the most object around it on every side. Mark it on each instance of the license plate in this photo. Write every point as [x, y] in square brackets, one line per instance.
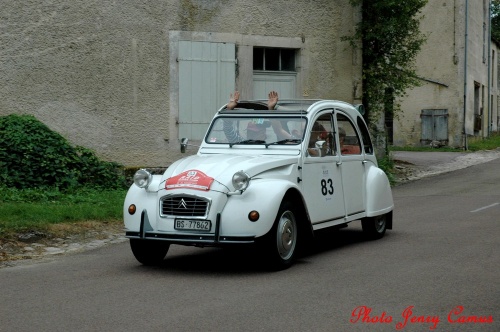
[192, 225]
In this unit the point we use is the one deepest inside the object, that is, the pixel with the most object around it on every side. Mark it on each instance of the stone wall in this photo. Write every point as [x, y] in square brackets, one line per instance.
[447, 64]
[97, 71]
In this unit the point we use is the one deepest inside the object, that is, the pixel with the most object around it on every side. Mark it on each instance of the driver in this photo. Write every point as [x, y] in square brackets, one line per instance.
[318, 131]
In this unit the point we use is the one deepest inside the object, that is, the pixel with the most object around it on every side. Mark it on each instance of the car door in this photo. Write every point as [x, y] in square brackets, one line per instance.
[321, 177]
[352, 164]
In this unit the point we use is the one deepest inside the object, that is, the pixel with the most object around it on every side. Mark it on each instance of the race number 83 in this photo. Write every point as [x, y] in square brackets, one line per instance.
[327, 187]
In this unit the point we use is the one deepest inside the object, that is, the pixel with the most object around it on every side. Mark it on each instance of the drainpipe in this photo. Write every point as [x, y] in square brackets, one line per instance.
[489, 71]
[465, 72]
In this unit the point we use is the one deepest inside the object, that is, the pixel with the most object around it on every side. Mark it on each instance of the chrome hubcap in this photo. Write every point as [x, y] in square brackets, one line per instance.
[380, 224]
[286, 235]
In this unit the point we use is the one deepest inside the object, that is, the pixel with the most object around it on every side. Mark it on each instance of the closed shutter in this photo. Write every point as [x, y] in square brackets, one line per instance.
[434, 126]
[206, 78]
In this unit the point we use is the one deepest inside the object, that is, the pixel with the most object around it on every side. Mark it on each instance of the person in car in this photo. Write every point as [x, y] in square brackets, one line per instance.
[344, 148]
[318, 132]
[254, 131]
[258, 131]
[232, 134]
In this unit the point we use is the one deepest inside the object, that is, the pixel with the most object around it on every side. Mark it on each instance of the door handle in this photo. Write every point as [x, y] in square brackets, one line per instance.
[339, 163]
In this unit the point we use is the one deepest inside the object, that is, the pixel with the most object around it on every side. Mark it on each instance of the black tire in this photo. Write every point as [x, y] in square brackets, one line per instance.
[281, 244]
[149, 252]
[374, 227]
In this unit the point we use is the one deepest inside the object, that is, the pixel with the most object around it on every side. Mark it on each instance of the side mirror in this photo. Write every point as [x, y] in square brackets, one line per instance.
[319, 144]
[320, 148]
[360, 108]
[184, 143]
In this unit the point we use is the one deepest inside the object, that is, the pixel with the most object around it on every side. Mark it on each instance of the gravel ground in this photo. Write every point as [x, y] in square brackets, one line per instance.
[29, 247]
[411, 166]
[32, 246]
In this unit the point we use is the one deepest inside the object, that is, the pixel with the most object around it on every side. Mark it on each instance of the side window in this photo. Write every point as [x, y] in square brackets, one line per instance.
[322, 138]
[365, 136]
[348, 138]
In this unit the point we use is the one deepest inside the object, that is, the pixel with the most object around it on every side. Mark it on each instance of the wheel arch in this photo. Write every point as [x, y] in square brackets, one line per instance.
[378, 193]
[303, 221]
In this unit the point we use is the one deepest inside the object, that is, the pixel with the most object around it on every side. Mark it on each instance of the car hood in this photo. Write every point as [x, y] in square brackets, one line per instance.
[222, 167]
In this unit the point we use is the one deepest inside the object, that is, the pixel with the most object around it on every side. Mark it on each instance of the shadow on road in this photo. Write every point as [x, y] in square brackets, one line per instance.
[246, 260]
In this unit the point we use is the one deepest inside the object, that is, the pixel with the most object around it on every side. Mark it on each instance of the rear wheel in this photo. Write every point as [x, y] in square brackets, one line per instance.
[149, 252]
[281, 246]
[374, 227]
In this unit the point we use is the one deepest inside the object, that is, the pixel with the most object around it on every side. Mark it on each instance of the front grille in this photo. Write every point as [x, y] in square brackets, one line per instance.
[184, 206]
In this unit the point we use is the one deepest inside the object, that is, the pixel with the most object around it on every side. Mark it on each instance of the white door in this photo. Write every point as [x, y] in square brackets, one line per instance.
[352, 165]
[322, 181]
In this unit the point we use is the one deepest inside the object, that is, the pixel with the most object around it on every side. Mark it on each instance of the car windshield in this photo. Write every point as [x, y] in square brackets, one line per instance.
[266, 130]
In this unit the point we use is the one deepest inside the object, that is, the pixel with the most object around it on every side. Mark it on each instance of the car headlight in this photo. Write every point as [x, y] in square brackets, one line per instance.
[142, 178]
[240, 180]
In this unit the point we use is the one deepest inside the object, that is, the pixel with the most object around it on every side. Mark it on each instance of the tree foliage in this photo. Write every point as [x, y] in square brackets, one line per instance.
[495, 20]
[33, 156]
[391, 39]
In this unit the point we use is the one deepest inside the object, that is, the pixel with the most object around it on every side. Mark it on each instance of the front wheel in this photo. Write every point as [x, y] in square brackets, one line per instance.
[149, 252]
[281, 246]
[374, 227]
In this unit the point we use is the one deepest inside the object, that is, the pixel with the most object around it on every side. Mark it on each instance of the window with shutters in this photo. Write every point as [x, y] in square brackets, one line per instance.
[274, 69]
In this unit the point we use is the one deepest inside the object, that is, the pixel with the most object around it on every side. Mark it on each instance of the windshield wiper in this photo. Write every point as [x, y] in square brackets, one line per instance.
[248, 141]
[285, 141]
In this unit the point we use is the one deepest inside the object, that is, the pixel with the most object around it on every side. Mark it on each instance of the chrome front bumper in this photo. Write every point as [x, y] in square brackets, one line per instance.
[147, 232]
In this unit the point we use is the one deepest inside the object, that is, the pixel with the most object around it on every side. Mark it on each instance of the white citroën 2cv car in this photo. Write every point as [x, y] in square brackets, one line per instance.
[264, 178]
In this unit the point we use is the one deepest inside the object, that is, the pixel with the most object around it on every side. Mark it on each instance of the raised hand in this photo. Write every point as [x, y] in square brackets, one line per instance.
[273, 100]
[233, 100]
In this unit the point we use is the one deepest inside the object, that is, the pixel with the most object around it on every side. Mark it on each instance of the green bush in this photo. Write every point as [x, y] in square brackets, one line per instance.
[387, 165]
[33, 156]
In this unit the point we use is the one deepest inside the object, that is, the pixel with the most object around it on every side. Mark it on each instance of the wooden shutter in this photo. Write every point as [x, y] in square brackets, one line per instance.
[206, 78]
[434, 125]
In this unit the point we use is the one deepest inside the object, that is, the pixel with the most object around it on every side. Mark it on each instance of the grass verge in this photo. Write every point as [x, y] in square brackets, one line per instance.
[37, 210]
[479, 143]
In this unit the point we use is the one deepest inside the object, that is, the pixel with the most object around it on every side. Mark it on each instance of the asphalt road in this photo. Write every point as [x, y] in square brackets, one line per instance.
[441, 261]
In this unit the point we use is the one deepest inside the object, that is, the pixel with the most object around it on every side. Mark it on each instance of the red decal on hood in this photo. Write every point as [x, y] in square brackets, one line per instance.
[192, 179]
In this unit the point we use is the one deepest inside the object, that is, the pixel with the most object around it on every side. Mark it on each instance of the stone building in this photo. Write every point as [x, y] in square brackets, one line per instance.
[129, 78]
[458, 69]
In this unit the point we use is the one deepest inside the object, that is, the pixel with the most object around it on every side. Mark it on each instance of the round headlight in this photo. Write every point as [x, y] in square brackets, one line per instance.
[240, 180]
[142, 178]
